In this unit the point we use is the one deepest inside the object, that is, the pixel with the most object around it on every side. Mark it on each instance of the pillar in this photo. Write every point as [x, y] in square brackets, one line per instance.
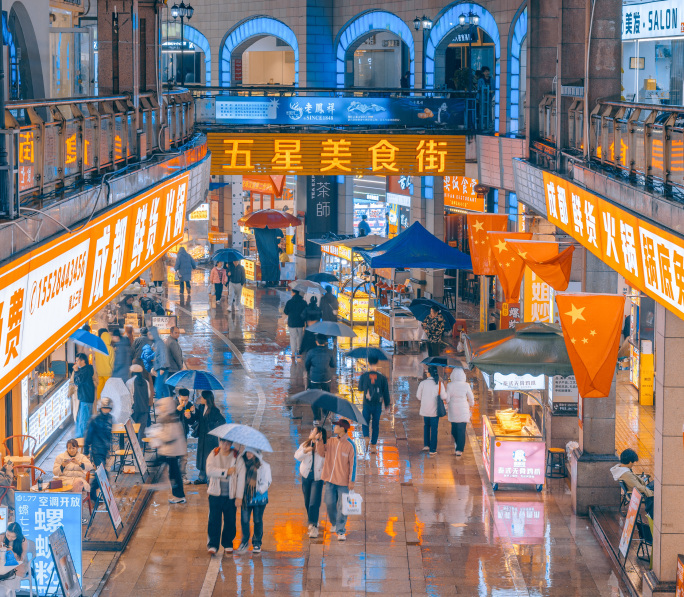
[668, 523]
[237, 205]
[434, 222]
[592, 483]
[345, 206]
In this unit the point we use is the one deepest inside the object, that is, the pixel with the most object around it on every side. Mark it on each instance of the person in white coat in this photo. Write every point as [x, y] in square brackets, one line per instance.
[73, 466]
[255, 476]
[429, 393]
[459, 401]
[311, 468]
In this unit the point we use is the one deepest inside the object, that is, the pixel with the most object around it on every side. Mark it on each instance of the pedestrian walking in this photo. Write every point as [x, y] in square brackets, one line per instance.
[339, 474]
[329, 305]
[104, 363]
[205, 418]
[123, 356]
[219, 279]
[139, 344]
[98, 439]
[312, 314]
[183, 408]
[160, 363]
[140, 390]
[174, 353]
[184, 266]
[85, 392]
[225, 490]
[311, 469]
[158, 273]
[294, 309]
[236, 281]
[363, 227]
[429, 393]
[433, 325]
[319, 365]
[374, 387]
[460, 401]
[254, 474]
[172, 445]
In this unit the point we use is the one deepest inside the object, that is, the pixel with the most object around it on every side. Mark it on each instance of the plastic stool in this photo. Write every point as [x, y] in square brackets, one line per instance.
[555, 464]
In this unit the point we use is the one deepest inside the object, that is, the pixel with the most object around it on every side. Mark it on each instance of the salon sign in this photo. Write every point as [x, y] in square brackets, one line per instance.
[652, 19]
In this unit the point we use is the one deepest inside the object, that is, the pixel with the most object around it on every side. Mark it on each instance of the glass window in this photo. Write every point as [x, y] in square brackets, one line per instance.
[49, 373]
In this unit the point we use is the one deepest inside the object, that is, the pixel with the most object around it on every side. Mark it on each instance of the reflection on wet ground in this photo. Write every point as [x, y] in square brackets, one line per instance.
[432, 526]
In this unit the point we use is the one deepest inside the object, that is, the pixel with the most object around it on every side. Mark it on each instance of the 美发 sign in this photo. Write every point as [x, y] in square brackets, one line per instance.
[344, 111]
[459, 192]
[652, 19]
[649, 258]
[335, 154]
[51, 290]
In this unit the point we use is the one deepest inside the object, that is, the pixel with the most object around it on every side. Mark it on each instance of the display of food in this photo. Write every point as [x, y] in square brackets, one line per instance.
[511, 422]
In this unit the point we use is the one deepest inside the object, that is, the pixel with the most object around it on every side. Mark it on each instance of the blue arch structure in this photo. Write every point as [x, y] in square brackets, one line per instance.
[196, 37]
[8, 40]
[252, 27]
[515, 42]
[445, 23]
[373, 20]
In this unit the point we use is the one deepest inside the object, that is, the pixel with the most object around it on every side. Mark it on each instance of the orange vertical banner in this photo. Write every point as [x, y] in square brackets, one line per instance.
[508, 264]
[479, 225]
[544, 260]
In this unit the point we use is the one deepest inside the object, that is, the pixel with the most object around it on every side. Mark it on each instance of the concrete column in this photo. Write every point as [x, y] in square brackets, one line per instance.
[592, 483]
[345, 206]
[668, 523]
[300, 202]
[237, 211]
[434, 222]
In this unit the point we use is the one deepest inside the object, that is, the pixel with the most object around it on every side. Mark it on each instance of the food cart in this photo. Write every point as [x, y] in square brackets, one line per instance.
[398, 325]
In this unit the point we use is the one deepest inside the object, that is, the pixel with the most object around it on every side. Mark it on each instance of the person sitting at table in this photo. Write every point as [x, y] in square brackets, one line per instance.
[13, 550]
[623, 472]
[73, 466]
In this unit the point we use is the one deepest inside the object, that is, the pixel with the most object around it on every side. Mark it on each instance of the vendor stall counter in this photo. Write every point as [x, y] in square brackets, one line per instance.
[398, 325]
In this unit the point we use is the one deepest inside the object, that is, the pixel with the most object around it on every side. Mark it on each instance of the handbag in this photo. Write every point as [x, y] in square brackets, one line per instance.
[351, 504]
[260, 498]
[441, 409]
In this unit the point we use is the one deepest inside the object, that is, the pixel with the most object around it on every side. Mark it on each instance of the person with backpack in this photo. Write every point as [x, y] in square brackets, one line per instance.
[428, 393]
[375, 389]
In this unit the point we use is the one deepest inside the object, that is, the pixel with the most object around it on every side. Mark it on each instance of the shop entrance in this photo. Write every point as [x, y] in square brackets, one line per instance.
[378, 60]
[465, 56]
[263, 60]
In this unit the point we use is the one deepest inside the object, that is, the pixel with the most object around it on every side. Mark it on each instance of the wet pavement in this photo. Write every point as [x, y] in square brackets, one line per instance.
[432, 525]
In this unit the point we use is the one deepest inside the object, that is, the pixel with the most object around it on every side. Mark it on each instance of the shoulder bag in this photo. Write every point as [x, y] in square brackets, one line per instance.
[441, 409]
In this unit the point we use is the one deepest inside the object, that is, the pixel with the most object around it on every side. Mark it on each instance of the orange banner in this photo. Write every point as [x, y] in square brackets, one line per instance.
[544, 260]
[508, 264]
[479, 226]
[592, 324]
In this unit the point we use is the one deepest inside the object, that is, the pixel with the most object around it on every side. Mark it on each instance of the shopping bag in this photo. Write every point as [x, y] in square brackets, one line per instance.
[351, 504]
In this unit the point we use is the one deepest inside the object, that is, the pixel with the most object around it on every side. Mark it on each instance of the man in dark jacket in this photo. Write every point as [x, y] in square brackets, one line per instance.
[236, 280]
[140, 343]
[174, 352]
[85, 391]
[294, 309]
[123, 355]
[208, 417]
[375, 389]
[319, 365]
[329, 307]
[98, 439]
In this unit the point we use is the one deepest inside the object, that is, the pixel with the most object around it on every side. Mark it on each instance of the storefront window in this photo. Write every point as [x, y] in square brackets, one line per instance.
[45, 378]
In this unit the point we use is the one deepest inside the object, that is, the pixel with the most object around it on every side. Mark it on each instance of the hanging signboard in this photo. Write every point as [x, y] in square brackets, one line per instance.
[647, 20]
[459, 192]
[64, 564]
[513, 382]
[136, 449]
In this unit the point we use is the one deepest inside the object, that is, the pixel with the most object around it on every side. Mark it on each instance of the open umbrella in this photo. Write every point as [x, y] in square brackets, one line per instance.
[268, 218]
[362, 352]
[305, 286]
[322, 277]
[191, 379]
[332, 328]
[318, 399]
[244, 435]
[421, 309]
[87, 339]
[227, 256]
[442, 362]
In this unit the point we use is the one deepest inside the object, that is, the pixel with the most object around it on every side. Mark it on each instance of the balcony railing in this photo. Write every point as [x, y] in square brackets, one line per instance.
[55, 144]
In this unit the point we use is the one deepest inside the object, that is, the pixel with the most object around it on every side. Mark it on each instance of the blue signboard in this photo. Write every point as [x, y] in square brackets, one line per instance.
[433, 113]
[40, 515]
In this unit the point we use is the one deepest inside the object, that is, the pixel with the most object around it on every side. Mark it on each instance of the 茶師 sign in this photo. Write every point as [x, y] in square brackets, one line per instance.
[652, 19]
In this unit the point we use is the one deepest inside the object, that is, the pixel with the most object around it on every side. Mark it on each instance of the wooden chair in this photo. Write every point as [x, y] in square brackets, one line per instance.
[87, 494]
[20, 457]
[33, 471]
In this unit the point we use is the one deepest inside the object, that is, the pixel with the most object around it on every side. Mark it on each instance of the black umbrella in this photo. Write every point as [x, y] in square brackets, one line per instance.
[227, 256]
[442, 362]
[322, 277]
[318, 399]
[421, 309]
[362, 352]
[332, 328]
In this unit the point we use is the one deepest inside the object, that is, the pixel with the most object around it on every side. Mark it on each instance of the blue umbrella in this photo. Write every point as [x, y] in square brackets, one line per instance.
[194, 380]
[421, 309]
[244, 435]
[322, 277]
[87, 339]
[227, 256]
[332, 328]
[362, 352]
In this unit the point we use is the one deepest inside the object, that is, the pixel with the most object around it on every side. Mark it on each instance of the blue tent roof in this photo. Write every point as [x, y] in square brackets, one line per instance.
[416, 247]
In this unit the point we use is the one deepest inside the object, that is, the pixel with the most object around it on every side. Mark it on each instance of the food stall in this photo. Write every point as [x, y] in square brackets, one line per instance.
[398, 325]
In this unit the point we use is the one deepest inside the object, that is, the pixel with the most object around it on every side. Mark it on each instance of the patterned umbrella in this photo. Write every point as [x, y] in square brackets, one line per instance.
[195, 380]
[244, 435]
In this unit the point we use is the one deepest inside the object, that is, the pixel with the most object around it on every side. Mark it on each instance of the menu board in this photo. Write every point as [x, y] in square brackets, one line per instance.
[630, 519]
[135, 447]
[64, 564]
[110, 502]
[45, 420]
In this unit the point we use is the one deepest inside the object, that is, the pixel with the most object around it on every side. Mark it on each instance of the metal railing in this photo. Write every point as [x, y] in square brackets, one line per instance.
[59, 143]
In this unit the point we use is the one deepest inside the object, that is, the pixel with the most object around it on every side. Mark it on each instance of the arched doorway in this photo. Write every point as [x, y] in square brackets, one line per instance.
[30, 81]
[517, 76]
[374, 50]
[263, 48]
[196, 63]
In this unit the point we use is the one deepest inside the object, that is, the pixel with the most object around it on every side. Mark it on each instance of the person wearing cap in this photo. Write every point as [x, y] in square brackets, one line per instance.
[137, 386]
[339, 474]
[98, 439]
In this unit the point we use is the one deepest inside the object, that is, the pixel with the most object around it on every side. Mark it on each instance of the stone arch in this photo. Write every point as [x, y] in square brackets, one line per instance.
[29, 71]
[446, 21]
[360, 26]
[196, 37]
[516, 39]
[257, 26]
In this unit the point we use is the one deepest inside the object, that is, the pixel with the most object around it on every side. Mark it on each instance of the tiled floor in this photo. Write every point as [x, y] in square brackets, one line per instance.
[432, 526]
[634, 424]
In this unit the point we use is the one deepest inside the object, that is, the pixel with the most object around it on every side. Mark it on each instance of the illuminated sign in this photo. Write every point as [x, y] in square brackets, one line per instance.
[201, 213]
[649, 258]
[338, 251]
[360, 308]
[351, 154]
[459, 191]
[47, 418]
[50, 291]
[247, 298]
[513, 382]
[250, 269]
[519, 462]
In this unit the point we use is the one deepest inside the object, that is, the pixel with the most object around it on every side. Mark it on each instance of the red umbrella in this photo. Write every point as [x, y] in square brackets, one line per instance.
[271, 218]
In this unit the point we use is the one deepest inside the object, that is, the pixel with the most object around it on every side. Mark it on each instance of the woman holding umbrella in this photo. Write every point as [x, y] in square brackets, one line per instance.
[207, 417]
[219, 279]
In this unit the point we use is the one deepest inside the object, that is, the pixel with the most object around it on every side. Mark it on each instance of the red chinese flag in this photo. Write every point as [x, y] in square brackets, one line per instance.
[544, 260]
[508, 264]
[592, 324]
[479, 225]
